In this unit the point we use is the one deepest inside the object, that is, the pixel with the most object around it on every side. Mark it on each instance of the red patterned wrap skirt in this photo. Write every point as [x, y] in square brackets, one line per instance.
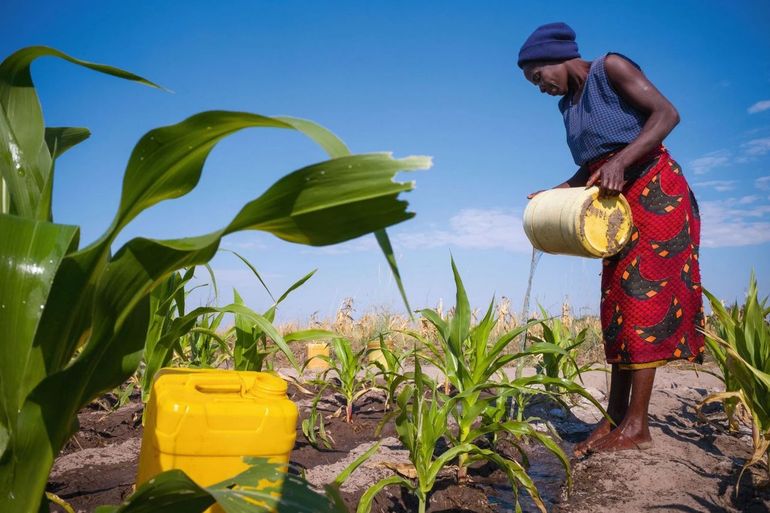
[651, 304]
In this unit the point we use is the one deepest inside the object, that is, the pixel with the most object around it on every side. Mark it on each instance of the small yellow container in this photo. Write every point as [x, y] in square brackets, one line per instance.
[374, 351]
[317, 349]
[575, 221]
[204, 421]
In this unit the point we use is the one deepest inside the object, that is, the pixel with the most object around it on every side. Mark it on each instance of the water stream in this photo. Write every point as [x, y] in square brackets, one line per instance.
[536, 254]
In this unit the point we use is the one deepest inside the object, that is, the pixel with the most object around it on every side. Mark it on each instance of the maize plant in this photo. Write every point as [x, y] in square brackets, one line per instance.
[350, 367]
[314, 427]
[746, 342]
[75, 317]
[253, 345]
[720, 330]
[560, 364]
[389, 370]
[422, 417]
[470, 358]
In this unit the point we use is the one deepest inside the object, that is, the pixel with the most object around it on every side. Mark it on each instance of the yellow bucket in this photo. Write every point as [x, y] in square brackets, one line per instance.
[317, 349]
[204, 421]
[575, 221]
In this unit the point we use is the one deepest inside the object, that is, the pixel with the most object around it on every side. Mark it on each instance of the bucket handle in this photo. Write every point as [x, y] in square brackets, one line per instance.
[209, 386]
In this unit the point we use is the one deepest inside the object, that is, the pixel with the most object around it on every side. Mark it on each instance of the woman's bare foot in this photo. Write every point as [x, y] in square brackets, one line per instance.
[601, 430]
[622, 439]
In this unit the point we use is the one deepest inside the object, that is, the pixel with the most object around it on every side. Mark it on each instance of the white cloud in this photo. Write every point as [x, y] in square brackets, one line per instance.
[709, 161]
[759, 107]
[756, 147]
[729, 222]
[717, 185]
[472, 228]
[762, 183]
[747, 200]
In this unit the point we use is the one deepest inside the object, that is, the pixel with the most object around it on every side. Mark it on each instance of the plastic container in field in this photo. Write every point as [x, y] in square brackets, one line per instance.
[315, 349]
[205, 421]
[575, 221]
[374, 351]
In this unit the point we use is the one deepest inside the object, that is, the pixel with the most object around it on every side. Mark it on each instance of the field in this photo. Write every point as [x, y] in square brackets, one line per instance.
[693, 465]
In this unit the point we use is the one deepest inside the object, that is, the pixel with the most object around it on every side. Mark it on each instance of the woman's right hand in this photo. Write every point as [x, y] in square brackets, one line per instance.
[533, 194]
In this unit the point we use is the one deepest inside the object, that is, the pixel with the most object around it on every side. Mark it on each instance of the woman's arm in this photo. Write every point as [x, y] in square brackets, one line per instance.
[579, 179]
[631, 84]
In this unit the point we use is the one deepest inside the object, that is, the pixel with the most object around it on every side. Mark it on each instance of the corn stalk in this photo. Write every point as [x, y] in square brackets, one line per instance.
[746, 343]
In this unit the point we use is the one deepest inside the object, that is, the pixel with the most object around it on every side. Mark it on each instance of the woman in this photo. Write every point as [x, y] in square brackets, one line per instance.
[651, 306]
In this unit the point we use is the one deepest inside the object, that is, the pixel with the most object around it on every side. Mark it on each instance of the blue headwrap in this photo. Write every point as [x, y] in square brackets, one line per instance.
[550, 42]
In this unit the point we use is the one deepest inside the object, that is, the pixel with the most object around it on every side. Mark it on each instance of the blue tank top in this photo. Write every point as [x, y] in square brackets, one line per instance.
[601, 121]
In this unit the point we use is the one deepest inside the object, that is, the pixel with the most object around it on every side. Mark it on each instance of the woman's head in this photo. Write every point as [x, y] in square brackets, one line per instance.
[543, 54]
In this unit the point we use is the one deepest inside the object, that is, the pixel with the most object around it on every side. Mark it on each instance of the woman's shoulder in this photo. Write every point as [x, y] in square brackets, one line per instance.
[617, 60]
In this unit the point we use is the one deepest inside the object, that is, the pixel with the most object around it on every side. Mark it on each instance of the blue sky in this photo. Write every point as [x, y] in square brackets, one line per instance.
[430, 78]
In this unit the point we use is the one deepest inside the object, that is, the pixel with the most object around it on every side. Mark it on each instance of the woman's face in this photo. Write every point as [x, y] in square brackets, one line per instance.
[550, 77]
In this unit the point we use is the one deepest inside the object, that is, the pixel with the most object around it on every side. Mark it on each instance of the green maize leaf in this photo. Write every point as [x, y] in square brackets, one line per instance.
[25, 161]
[221, 342]
[270, 314]
[163, 297]
[167, 162]
[434, 318]
[58, 140]
[32, 251]
[171, 491]
[560, 383]
[297, 336]
[506, 338]
[427, 482]
[255, 490]
[340, 479]
[480, 333]
[387, 249]
[336, 148]
[47, 417]
[332, 145]
[61, 139]
[515, 471]
[310, 206]
[246, 354]
[365, 503]
[461, 321]
[296, 285]
[526, 429]
[253, 270]
[5, 437]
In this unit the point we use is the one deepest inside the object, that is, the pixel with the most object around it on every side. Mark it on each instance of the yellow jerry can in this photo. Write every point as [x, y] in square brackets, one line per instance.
[204, 421]
[315, 349]
[575, 221]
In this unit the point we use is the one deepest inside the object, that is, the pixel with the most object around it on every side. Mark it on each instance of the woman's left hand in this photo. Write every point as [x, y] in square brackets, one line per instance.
[610, 177]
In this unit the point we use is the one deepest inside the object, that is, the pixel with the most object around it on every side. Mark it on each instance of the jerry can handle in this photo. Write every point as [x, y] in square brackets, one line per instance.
[209, 386]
